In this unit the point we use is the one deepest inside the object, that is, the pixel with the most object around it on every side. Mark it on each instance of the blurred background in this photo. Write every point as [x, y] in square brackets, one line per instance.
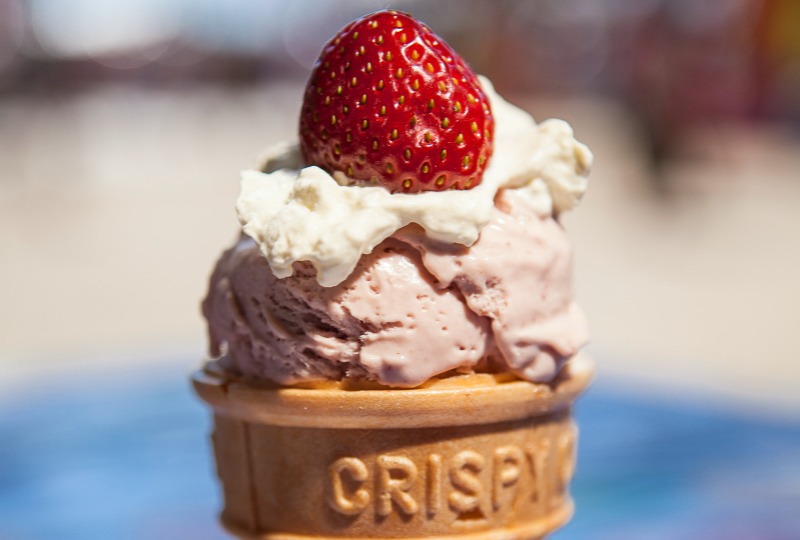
[123, 126]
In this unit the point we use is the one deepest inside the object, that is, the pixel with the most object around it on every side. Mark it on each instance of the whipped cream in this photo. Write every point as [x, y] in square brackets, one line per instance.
[305, 214]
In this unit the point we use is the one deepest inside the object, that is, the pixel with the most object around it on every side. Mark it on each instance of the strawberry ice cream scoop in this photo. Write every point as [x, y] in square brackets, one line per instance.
[412, 309]
[412, 231]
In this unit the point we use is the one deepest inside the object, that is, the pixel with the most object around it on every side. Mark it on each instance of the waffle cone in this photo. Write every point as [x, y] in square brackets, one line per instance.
[466, 457]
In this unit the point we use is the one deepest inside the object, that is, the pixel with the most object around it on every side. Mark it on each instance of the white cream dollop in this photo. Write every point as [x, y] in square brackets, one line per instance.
[304, 214]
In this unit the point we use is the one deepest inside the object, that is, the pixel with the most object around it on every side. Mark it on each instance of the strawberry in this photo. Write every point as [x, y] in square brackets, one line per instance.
[389, 103]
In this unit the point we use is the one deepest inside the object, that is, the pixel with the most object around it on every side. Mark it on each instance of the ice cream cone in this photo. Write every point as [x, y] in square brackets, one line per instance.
[465, 457]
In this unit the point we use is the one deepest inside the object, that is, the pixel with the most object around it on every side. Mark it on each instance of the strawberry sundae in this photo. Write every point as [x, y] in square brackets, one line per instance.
[411, 232]
[394, 339]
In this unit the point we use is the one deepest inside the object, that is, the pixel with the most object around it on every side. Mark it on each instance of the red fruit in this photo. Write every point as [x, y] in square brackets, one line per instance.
[389, 103]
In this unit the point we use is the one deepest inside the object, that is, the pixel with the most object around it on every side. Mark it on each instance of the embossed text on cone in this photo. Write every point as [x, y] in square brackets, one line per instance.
[466, 457]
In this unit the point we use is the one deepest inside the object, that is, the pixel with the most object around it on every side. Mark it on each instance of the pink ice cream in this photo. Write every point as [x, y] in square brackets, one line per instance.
[331, 281]
[412, 309]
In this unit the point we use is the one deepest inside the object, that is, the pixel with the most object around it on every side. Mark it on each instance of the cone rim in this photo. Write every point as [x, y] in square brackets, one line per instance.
[478, 401]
